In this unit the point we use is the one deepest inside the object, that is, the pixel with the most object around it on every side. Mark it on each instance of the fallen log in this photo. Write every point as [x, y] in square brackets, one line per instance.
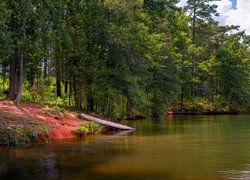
[105, 122]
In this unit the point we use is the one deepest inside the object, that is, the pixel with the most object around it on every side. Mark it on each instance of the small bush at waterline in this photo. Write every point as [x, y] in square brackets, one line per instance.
[88, 128]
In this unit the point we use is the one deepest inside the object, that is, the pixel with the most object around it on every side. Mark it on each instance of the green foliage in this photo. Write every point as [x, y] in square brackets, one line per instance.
[233, 77]
[6, 45]
[88, 128]
[123, 58]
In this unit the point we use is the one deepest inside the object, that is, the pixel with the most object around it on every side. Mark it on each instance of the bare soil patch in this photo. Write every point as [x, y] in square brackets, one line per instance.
[59, 124]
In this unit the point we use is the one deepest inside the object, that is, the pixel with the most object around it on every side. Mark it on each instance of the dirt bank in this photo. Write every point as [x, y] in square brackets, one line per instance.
[60, 125]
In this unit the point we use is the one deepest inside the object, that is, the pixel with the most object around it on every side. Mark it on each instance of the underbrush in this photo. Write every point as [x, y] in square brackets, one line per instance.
[202, 105]
[89, 128]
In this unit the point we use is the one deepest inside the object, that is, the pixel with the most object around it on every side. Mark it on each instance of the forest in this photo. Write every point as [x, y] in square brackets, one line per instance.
[123, 58]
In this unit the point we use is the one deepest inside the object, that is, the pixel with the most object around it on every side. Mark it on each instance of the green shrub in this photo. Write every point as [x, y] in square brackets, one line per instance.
[88, 128]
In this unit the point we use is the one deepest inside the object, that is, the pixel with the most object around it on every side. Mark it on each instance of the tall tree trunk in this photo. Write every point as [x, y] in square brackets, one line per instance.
[79, 95]
[13, 77]
[45, 70]
[13, 59]
[4, 76]
[74, 87]
[58, 78]
[70, 87]
[193, 26]
[193, 56]
[182, 97]
[23, 39]
[90, 102]
[66, 85]
[110, 107]
[20, 88]
[78, 92]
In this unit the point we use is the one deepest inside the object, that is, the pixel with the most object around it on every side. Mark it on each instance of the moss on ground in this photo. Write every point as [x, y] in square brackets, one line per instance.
[16, 130]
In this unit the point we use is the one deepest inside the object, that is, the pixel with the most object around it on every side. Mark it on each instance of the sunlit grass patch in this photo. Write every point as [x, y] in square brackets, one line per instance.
[15, 130]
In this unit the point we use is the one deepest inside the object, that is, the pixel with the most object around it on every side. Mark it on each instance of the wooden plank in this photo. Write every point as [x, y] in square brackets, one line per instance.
[105, 122]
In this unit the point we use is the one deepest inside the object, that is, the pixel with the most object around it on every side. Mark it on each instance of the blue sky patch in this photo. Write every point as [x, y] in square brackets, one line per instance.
[234, 4]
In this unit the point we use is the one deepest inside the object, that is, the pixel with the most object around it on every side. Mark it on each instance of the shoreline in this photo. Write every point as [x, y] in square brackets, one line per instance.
[203, 113]
[28, 123]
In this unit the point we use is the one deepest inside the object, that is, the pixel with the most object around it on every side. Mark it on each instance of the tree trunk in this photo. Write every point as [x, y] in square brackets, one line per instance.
[74, 87]
[4, 72]
[13, 77]
[105, 122]
[110, 107]
[90, 101]
[45, 70]
[58, 78]
[78, 93]
[66, 84]
[182, 97]
[70, 86]
[20, 89]
[193, 56]
[13, 59]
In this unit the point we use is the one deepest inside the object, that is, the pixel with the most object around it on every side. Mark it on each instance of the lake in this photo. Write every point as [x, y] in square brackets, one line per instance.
[188, 147]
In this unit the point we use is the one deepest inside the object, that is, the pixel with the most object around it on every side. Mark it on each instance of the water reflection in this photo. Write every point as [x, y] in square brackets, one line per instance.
[190, 147]
[48, 165]
[66, 158]
[237, 174]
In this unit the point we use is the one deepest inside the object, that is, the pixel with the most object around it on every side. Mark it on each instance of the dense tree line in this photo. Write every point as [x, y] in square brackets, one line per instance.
[123, 58]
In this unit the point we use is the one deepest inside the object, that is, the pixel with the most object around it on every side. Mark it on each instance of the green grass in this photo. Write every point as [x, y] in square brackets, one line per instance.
[15, 130]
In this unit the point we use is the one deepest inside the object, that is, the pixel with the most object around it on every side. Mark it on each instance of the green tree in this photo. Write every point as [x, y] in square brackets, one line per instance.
[202, 12]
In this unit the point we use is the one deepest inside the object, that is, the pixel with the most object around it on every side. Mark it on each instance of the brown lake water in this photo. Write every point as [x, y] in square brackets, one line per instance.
[188, 147]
